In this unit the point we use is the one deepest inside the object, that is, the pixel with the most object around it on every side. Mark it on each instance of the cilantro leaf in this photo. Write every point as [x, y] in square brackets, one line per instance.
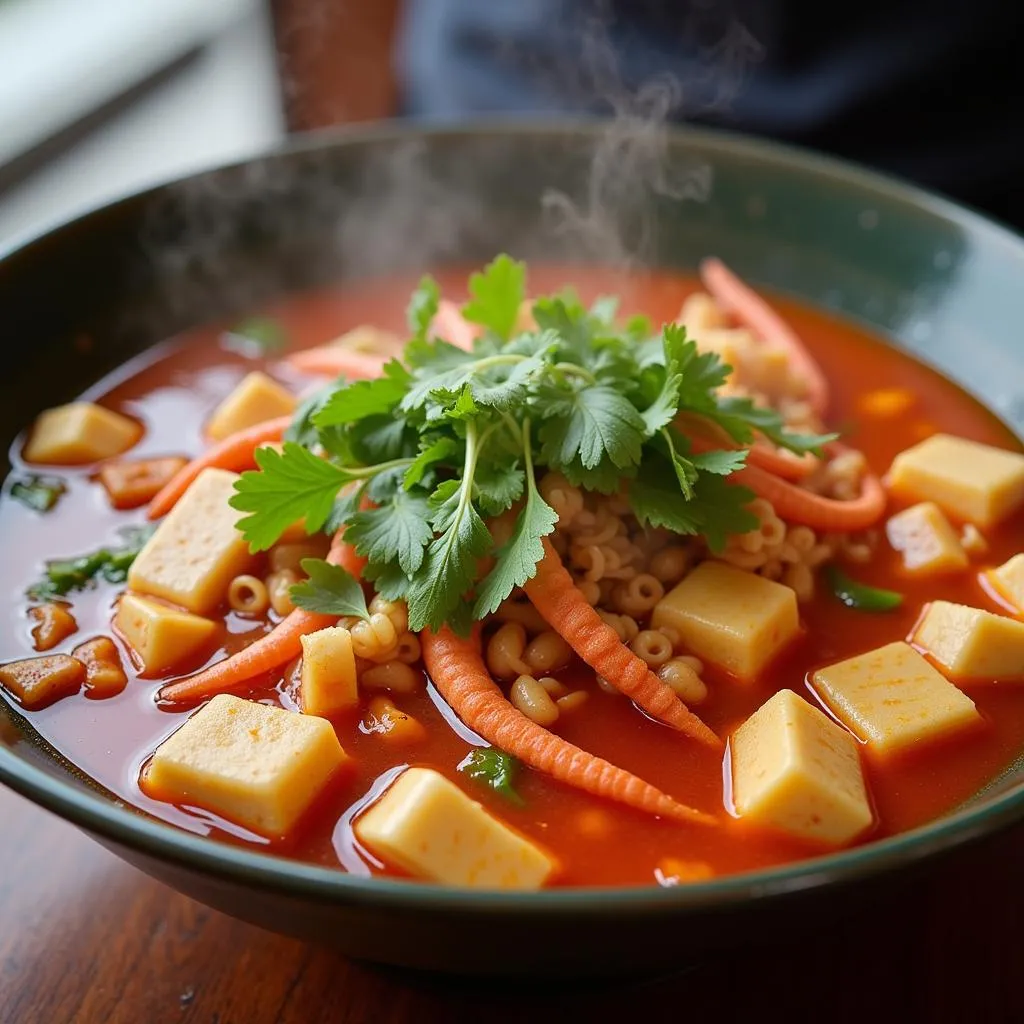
[740, 417]
[259, 335]
[388, 580]
[330, 590]
[422, 307]
[497, 294]
[290, 485]
[657, 501]
[399, 529]
[593, 422]
[362, 398]
[504, 387]
[437, 367]
[722, 462]
[723, 510]
[302, 430]
[381, 438]
[494, 768]
[498, 486]
[440, 450]
[605, 478]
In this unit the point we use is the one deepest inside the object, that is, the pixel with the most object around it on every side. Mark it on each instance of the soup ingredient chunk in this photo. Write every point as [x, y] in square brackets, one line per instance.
[161, 637]
[256, 399]
[37, 682]
[327, 681]
[196, 551]
[392, 724]
[53, 623]
[130, 484]
[1008, 580]
[971, 643]
[427, 826]
[969, 480]
[256, 765]
[926, 540]
[795, 770]
[104, 674]
[892, 698]
[733, 618]
[80, 432]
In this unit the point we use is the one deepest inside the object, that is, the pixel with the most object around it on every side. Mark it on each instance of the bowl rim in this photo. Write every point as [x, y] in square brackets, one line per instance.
[117, 822]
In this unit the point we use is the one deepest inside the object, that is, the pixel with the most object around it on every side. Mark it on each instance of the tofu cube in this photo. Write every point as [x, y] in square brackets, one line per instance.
[794, 770]
[197, 550]
[327, 679]
[37, 682]
[427, 826]
[256, 398]
[80, 432]
[256, 765]
[1008, 581]
[969, 480]
[730, 617]
[926, 540]
[972, 644]
[892, 698]
[160, 636]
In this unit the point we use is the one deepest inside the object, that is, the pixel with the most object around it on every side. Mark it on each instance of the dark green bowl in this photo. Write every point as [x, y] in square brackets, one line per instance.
[937, 279]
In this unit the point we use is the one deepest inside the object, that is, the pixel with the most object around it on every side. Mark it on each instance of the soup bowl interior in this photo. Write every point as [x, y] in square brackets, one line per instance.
[83, 299]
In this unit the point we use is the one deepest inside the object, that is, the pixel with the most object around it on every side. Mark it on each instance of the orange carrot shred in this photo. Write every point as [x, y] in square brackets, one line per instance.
[555, 595]
[334, 360]
[453, 327]
[458, 672]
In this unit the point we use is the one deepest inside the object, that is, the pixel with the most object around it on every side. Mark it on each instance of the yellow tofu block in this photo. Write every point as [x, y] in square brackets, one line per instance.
[80, 432]
[254, 764]
[161, 637]
[427, 826]
[327, 680]
[972, 644]
[700, 312]
[730, 617]
[926, 540]
[256, 399]
[196, 551]
[892, 698]
[969, 480]
[37, 682]
[1008, 580]
[795, 770]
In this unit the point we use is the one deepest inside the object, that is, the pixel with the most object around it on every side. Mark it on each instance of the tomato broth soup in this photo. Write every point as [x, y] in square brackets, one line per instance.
[733, 760]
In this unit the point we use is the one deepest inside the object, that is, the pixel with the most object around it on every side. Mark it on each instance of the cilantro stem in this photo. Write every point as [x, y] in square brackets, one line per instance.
[575, 370]
[508, 359]
[366, 472]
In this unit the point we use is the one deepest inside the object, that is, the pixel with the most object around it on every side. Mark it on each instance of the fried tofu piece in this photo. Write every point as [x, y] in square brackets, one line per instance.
[926, 540]
[1008, 581]
[736, 619]
[972, 644]
[80, 432]
[257, 765]
[257, 398]
[893, 699]
[427, 826]
[130, 484]
[104, 673]
[161, 637]
[197, 550]
[967, 479]
[37, 682]
[797, 771]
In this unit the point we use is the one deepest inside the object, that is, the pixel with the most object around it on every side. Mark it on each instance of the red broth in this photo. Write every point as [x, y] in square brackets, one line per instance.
[174, 387]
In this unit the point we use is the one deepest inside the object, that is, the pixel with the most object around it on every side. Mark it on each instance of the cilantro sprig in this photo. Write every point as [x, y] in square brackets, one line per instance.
[422, 464]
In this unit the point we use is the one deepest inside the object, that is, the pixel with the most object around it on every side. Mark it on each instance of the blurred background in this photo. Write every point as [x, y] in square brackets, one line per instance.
[99, 97]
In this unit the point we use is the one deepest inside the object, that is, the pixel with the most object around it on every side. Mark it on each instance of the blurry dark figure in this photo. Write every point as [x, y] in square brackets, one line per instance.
[928, 90]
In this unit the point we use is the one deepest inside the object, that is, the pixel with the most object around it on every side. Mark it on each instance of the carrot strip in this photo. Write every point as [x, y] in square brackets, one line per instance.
[743, 302]
[280, 645]
[450, 324]
[333, 360]
[555, 595]
[459, 674]
[802, 506]
[234, 453]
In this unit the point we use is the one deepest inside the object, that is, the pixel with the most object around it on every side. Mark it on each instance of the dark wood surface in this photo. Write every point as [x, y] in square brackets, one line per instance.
[84, 937]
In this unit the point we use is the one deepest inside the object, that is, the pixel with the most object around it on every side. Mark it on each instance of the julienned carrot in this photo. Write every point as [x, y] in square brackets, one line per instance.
[798, 505]
[555, 595]
[450, 324]
[746, 305]
[235, 452]
[334, 360]
[276, 648]
[459, 674]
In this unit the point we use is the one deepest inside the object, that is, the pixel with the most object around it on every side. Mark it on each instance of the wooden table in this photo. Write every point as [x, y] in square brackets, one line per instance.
[85, 938]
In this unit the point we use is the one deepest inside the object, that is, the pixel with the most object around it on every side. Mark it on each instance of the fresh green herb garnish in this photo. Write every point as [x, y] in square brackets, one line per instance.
[859, 595]
[258, 335]
[64, 575]
[494, 768]
[329, 590]
[40, 493]
[416, 462]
